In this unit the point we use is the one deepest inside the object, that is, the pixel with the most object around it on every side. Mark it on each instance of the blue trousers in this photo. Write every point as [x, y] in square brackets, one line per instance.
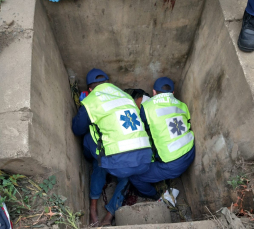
[98, 180]
[161, 171]
[121, 172]
[250, 7]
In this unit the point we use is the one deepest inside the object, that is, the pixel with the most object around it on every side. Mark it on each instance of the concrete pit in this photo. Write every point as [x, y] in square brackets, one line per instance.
[193, 42]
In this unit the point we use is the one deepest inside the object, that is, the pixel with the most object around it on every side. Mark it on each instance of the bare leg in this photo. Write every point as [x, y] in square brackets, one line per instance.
[107, 219]
[93, 212]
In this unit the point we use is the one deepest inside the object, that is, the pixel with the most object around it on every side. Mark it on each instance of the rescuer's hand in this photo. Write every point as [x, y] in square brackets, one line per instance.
[83, 95]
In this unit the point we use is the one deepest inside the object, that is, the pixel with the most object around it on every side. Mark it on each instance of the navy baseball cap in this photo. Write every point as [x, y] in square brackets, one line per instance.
[159, 83]
[92, 74]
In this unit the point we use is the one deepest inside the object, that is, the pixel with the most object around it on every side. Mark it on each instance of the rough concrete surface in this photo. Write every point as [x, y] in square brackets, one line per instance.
[246, 59]
[51, 137]
[207, 224]
[218, 89]
[233, 9]
[143, 213]
[36, 106]
[232, 221]
[15, 65]
[134, 42]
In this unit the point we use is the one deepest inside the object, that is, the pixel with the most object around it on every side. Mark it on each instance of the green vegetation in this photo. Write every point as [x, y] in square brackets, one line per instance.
[32, 204]
[1, 2]
[46, 185]
[242, 183]
[238, 180]
[11, 195]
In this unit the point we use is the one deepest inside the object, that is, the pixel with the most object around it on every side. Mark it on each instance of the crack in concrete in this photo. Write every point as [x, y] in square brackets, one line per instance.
[23, 109]
[12, 32]
[234, 20]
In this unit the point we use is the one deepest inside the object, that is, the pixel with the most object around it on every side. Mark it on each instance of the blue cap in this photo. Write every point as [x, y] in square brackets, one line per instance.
[159, 83]
[92, 74]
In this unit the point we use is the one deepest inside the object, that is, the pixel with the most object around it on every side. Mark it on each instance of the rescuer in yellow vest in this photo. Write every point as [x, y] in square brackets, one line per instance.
[167, 121]
[117, 141]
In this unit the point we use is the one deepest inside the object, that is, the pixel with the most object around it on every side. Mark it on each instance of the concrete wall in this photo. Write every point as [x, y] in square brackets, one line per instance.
[15, 65]
[218, 89]
[133, 41]
[37, 108]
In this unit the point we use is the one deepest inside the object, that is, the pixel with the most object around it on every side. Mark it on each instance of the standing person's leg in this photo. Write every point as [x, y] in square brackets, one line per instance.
[250, 7]
[98, 180]
[98, 177]
[246, 37]
[116, 201]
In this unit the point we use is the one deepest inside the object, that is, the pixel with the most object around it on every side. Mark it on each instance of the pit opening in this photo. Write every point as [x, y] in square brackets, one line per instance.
[134, 42]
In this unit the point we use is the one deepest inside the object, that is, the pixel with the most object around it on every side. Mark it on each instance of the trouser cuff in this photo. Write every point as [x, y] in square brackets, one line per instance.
[110, 209]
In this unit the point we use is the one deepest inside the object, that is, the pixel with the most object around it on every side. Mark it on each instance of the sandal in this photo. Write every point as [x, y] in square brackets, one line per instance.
[96, 224]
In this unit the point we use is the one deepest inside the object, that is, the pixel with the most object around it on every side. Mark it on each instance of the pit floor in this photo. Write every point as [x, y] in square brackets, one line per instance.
[181, 213]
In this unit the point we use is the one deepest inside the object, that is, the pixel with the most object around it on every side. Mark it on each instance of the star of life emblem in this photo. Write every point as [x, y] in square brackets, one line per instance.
[176, 126]
[129, 121]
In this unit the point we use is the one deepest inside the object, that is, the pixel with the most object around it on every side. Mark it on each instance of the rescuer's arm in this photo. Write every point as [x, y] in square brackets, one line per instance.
[143, 118]
[81, 122]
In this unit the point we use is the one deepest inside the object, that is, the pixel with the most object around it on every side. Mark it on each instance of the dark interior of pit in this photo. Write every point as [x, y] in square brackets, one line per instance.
[193, 42]
[133, 49]
[181, 212]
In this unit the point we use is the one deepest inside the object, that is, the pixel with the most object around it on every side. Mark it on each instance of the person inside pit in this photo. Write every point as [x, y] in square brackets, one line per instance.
[117, 139]
[246, 36]
[98, 178]
[167, 122]
[139, 95]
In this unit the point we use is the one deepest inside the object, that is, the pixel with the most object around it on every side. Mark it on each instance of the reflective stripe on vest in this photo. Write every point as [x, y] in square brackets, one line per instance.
[178, 144]
[168, 110]
[131, 144]
[117, 103]
[117, 117]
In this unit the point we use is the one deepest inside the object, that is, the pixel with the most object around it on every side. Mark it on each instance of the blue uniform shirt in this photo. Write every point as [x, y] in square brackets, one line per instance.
[143, 117]
[80, 126]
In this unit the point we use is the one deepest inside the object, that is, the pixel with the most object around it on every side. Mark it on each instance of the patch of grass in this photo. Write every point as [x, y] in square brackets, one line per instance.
[10, 194]
[243, 183]
[70, 218]
[31, 204]
[238, 180]
[46, 185]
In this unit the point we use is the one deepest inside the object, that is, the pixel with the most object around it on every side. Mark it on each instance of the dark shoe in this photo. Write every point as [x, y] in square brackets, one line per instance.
[154, 197]
[246, 37]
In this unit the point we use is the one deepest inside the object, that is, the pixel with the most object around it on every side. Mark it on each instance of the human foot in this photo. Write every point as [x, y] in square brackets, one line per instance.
[94, 217]
[107, 220]
[93, 214]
